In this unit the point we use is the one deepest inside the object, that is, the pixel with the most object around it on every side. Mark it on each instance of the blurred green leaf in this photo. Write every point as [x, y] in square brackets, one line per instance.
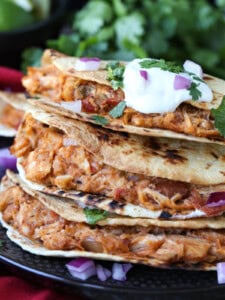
[173, 30]
[65, 43]
[130, 28]
[92, 17]
[31, 57]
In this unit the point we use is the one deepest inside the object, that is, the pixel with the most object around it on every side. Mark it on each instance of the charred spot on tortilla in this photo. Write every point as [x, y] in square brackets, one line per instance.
[91, 198]
[165, 215]
[103, 137]
[79, 194]
[78, 181]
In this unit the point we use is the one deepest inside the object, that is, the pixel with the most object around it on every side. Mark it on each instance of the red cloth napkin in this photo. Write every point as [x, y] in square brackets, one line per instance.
[10, 79]
[12, 287]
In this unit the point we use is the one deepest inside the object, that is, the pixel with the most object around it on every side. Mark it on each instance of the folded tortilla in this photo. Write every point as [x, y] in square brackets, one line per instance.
[10, 116]
[54, 230]
[58, 84]
[97, 168]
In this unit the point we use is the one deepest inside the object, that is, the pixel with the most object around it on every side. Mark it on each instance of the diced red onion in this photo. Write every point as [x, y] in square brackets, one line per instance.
[216, 199]
[81, 268]
[192, 67]
[181, 82]
[144, 74]
[119, 271]
[7, 160]
[87, 64]
[221, 272]
[74, 106]
[102, 273]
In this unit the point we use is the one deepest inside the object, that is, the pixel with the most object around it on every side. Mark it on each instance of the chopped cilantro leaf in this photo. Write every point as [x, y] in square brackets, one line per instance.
[219, 116]
[100, 120]
[194, 91]
[117, 111]
[162, 64]
[198, 79]
[115, 74]
[94, 215]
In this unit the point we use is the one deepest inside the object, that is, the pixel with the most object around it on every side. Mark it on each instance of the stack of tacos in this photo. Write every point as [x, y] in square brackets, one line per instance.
[142, 188]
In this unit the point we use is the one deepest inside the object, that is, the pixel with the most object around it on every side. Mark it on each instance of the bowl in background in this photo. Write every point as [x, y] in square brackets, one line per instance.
[13, 42]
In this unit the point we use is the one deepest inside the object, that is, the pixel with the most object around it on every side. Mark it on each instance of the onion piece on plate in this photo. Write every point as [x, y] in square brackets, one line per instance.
[81, 268]
[102, 273]
[7, 160]
[221, 272]
[119, 271]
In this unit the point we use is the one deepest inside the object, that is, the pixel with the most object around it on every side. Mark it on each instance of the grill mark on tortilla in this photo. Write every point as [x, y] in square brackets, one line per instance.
[114, 204]
[205, 77]
[214, 155]
[61, 192]
[173, 157]
[152, 143]
[208, 166]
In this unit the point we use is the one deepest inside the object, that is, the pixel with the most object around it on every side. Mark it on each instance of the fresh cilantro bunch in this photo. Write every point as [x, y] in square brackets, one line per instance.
[173, 30]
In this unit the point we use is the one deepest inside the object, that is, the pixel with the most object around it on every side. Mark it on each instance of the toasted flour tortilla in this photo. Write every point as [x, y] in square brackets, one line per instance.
[36, 246]
[116, 150]
[66, 65]
[174, 159]
[38, 249]
[70, 210]
[6, 98]
[121, 208]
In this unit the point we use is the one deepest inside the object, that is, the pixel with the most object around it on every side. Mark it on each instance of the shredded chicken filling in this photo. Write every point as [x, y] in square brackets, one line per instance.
[11, 116]
[33, 220]
[52, 159]
[100, 99]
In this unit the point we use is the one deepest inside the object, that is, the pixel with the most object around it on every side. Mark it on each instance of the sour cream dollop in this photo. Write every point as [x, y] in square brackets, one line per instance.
[152, 91]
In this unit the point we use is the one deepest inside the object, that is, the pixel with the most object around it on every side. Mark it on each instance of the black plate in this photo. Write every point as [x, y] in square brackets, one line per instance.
[142, 283]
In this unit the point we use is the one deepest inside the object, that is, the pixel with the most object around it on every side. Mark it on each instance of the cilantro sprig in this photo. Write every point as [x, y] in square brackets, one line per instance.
[118, 110]
[115, 74]
[94, 215]
[194, 91]
[162, 64]
[219, 117]
[100, 120]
